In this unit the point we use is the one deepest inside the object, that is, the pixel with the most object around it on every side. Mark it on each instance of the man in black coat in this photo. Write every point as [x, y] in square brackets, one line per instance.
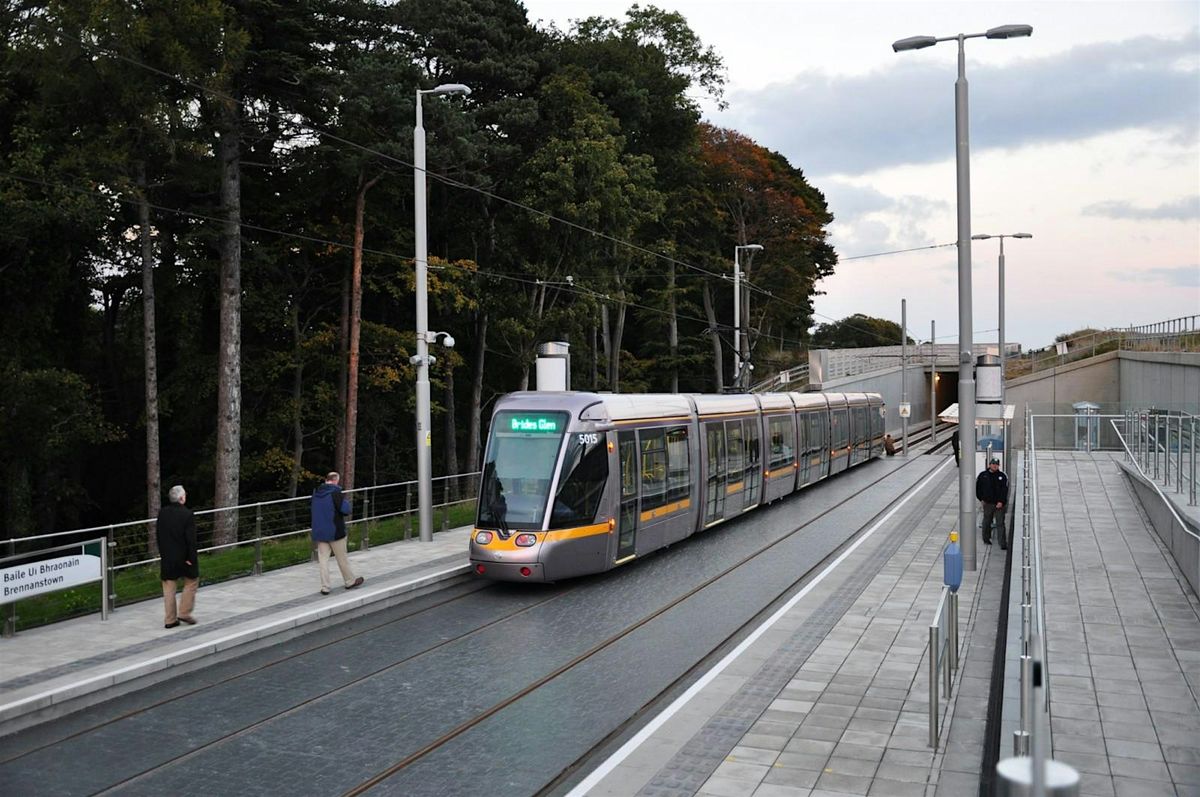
[176, 533]
[991, 488]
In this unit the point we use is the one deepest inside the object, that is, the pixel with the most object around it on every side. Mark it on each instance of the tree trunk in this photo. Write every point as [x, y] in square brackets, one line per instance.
[715, 336]
[614, 364]
[606, 341]
[229, 368]
[339, 443]
[475, 416]
[673, 329]
[297, 399]
[153, 463]
[351, 439]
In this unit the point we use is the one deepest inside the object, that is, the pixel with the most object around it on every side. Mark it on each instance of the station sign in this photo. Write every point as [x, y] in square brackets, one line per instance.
[48, 575]
[905, 409]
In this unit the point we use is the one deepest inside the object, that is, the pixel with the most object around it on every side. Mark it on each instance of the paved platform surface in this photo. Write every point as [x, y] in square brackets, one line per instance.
[63, 664]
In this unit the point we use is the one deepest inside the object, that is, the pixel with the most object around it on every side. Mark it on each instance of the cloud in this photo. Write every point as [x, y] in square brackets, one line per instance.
[1177, 277]
[1185, 209]
[866, 220]
[905, 114]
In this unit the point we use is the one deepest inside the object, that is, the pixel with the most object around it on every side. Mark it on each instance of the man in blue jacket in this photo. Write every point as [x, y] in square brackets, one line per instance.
[329, 511]
[991, 488]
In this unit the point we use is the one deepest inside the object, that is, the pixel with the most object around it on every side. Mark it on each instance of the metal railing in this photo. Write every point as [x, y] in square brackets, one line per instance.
[943, 656]
[260, 524]
[1035, 669]
[1176, 334]
[792, 379]
[1149, 445]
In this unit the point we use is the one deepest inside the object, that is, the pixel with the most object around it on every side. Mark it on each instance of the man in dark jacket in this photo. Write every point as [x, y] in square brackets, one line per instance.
[329, 510]
[175, 530]
[991, 488]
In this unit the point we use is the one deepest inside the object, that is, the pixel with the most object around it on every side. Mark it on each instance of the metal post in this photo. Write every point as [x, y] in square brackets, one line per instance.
[1154, 450]
[424, 425]
[1003, 380]
[933, 687]
[904, 371]
[111, 592]
[446, 506]
[966, 356]
[407, 510]
[1179, 455]
[10, 622]
[258, 562]
[953, 631]
[933, 384]
[1192, 483]
[737, 318]
[104, 577]
[366, 521]
[1021, 736]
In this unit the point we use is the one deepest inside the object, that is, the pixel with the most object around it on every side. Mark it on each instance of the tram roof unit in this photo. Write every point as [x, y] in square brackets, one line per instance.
[809, 401]
[626, 407]
[775, 401]
[722, 404]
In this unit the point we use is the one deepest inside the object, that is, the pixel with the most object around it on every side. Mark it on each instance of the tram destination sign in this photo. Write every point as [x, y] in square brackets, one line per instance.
[534, 423]
[48, 575]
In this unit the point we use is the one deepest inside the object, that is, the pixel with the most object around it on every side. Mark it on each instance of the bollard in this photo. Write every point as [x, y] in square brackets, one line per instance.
[258, 563]
[1014, 778]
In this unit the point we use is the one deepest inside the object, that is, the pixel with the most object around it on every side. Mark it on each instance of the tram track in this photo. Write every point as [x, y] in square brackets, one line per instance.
[382, 776]
[134, 778]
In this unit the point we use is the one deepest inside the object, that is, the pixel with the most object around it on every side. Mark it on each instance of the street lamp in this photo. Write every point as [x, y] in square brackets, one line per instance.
[422, 358]
[737, 310]
[1003, 379]
[966, 356]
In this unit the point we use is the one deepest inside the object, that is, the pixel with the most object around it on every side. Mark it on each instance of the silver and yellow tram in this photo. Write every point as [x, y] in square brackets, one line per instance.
[577, 483]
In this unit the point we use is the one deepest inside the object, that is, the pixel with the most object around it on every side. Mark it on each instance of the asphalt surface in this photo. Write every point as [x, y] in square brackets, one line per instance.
[324, 713]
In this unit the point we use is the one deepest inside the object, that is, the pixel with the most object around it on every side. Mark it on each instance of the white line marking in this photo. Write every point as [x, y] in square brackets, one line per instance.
[220, 643]
[645, 733]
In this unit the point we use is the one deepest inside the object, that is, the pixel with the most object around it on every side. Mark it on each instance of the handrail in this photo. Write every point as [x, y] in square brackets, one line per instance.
[943, 644]
[1153, 483]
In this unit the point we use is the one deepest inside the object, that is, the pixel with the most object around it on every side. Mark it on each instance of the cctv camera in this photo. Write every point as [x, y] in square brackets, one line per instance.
[448, 341]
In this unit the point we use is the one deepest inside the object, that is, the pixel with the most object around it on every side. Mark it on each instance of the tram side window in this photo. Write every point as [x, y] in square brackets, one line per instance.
[678, 465]
[782, 441]
[654, 468]
[734, 450]
[816, 433]
[841, 435]
[752, 444]
[584, 475]
[861, 435]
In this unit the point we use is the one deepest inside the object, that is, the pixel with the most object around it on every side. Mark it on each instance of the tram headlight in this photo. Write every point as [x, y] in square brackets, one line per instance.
[483, 537]
[525, 540]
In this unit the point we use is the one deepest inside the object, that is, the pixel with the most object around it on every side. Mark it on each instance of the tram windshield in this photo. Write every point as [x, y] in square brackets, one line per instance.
[522, 453]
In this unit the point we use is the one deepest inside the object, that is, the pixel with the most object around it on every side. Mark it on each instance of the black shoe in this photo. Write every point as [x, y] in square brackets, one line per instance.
[188, 620]
[987, 542]
[357, 583]
[172, 625]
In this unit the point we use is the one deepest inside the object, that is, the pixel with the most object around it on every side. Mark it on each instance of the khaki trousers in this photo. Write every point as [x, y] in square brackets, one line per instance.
[186, 603]
[338, 548]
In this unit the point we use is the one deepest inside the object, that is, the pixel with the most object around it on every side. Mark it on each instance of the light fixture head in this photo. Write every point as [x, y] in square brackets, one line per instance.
[1009, 31]
[449, 88]
[980, 237]
[1022, 235]
[753, 247]
[913, 43]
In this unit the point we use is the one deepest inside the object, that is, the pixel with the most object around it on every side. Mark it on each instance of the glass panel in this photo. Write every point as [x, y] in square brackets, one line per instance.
[734, 450]
[627, 528]
[522, 451]
[679, 464]
[753, 461]
[584, 475]
[654, 469]
[782, 441]
[715, 504]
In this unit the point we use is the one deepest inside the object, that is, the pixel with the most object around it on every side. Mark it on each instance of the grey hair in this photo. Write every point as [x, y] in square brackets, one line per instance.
[332, 476]
[177, 493]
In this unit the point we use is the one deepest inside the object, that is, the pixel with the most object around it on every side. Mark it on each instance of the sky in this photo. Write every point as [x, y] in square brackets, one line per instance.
[1085, 135]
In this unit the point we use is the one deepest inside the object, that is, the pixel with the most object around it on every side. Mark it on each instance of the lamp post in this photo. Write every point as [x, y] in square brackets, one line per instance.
[966, 356]
[1003, 378]
[422, 358]
[737, 311]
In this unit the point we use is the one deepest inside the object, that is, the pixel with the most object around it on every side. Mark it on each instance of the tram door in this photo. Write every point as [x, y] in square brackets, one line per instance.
[628, 517]
[714, 508]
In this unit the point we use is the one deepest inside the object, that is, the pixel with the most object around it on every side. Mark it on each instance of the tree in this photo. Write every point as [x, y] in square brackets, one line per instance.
[857, 331]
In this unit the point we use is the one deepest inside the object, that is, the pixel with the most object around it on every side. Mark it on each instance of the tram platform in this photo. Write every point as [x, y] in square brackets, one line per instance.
[55, 669]
[1124, 636]
[832, 698]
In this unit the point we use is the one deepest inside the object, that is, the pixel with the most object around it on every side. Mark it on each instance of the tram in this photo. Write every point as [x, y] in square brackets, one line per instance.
[576, 483]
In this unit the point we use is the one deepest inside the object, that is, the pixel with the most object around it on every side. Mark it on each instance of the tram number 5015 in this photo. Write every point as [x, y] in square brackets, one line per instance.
[589, 439]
